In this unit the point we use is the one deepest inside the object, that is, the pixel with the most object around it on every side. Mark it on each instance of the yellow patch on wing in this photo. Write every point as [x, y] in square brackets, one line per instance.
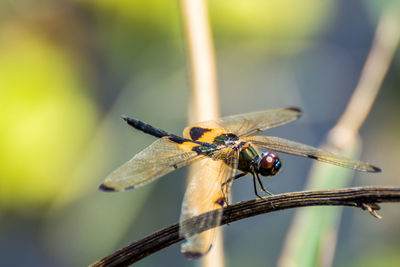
[187, 146]
[250, 123]
[202, 134]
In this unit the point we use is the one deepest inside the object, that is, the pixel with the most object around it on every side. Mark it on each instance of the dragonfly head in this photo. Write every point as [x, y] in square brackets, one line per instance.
[269, 165]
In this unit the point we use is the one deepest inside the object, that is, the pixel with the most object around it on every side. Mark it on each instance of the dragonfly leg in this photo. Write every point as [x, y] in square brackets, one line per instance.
[225, 197]
[262, 188]
[255, 187]
[225, 184]
[237, 176]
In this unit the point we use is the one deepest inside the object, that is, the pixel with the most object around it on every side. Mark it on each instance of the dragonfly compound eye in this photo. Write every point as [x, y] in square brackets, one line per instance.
[270, 164]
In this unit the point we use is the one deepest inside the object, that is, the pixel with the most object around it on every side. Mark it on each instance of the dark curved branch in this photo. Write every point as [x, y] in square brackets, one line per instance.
[365, 198]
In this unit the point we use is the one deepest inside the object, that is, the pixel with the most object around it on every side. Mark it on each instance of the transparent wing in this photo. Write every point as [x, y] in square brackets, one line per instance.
[158, 159]
[209, 185]
[294, 148]
[250, 123]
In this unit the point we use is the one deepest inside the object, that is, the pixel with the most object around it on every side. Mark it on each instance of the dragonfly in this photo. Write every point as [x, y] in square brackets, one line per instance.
[226, 149]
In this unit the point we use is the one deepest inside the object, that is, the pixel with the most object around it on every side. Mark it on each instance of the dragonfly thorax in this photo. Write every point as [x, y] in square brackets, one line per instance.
[268, 164]
[228, 139]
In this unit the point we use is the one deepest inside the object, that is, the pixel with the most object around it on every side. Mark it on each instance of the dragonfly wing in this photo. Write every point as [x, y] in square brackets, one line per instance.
[294, 148]
[158, 159]
[244, 124]
[208, 188]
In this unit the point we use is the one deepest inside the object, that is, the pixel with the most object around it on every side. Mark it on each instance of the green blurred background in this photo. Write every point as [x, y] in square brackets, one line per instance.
[70, 68]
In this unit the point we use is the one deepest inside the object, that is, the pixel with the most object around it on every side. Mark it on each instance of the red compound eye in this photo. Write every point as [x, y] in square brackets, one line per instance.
[269, 164]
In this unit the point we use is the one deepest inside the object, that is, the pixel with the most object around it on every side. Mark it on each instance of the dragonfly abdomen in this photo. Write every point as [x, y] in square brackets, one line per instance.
[146, 128]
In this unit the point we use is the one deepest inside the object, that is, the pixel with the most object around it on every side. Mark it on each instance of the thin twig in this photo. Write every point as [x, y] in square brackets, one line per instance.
[343, 138]
[383, 49]
[202, 63]
[204, 100]
[365, 198]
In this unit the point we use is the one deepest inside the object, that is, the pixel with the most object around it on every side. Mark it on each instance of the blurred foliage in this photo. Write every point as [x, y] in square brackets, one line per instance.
[376, 8]
[158, 16]
[47, 117]
[272, 20]
[70, 68]
[384, 256]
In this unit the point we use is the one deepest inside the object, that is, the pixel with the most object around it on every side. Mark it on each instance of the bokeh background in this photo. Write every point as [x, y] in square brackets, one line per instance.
[70, 68]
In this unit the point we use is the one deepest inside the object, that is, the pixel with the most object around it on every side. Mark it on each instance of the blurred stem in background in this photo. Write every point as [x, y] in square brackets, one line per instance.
[312, 237]
[204, 102]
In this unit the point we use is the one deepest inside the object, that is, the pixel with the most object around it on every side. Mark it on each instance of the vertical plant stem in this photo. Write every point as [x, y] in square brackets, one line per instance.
[319, 227]
[204, 103]
[383, 47]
